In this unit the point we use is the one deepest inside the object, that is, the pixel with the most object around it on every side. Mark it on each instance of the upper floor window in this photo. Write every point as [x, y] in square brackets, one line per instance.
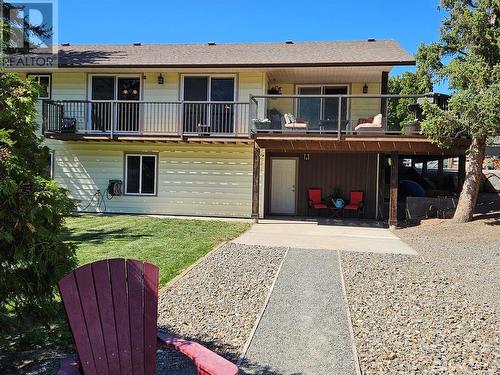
[44, 80]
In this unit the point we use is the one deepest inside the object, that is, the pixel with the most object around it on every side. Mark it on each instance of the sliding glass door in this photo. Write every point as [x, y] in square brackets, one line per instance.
[322, 113]
[202, 117]
[101, 113]
[310, 108]
[121, 117]
[331, 105]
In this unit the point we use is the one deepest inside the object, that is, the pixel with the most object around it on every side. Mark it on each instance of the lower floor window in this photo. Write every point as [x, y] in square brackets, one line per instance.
[140, 174]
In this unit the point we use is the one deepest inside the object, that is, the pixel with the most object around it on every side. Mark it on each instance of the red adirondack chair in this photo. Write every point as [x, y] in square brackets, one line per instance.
[356, 201]
[111, 307]
[315, 200]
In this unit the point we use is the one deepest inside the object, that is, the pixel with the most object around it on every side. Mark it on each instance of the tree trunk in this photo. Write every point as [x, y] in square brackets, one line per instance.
[473, 178]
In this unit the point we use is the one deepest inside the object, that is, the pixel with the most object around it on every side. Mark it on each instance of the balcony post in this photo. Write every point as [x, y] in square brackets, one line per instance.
[114, 113]
[339, 122]
[256, 182]
[250, 105]
[393, 199]
[180, 119]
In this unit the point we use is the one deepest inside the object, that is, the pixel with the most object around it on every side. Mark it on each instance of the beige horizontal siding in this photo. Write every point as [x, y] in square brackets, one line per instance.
[206, 180]
[364, 107]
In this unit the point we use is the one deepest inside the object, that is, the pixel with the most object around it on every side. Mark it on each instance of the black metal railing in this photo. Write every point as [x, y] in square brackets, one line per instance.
[116, 117]
[338, 114]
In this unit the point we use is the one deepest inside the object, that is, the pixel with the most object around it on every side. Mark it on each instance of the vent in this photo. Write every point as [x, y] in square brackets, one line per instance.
[137, 44]
[371, 39]
[211, 43]
[289, 42]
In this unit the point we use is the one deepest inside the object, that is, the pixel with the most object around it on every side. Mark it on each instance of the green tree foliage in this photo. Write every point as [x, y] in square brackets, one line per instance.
[468, 56]
[32, 207]
[408, 83]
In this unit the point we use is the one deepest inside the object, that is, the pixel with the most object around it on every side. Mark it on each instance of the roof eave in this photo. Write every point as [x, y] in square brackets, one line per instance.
[266, 65]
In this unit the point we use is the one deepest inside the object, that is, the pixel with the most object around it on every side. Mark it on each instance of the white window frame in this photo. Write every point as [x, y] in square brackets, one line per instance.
[115, 98]
[323, 86]
[116, 76]
[209, 83]
[140, 174]
[49, 88]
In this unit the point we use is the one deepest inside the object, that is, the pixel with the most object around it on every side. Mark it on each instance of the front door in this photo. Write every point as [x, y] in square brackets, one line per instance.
[283, 189]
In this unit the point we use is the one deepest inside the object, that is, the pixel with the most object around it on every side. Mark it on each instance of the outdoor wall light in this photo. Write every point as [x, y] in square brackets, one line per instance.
[161, 80]
[306, 157]
[365, 89]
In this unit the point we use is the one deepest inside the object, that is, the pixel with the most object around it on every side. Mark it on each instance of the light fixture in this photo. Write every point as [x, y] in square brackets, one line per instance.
[161, 80]
[306, 157]
[365, 89]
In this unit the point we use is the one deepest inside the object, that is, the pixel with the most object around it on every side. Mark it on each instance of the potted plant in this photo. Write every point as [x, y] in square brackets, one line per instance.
[335, 199]
[410, 127]
[275, 90]
[261, 123]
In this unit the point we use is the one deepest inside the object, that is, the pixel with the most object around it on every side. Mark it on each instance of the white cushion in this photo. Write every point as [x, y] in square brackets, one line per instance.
[377, 120]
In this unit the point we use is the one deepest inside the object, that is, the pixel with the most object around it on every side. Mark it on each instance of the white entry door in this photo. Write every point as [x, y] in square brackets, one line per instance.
[283, 179]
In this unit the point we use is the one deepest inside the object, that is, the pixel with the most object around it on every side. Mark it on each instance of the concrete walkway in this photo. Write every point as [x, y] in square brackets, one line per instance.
[314, 235]
[305, 327]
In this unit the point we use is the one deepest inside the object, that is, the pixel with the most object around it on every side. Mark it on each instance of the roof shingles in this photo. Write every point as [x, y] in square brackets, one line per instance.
[340, 53]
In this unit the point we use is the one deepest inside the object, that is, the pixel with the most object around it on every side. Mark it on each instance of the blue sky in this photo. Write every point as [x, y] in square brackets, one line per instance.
[226, 21]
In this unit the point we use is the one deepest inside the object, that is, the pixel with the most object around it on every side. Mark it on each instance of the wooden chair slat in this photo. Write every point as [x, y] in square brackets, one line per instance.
[71, 299]
[112, 310]
[151, 273]
[88, 298]
[106, 310]
[120, 301]
[135, 271]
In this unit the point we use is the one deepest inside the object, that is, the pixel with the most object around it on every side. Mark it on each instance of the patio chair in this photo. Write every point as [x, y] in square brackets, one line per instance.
[292, 123]
[356, 202]
[315, 200]
[370, 125]
[111, 306]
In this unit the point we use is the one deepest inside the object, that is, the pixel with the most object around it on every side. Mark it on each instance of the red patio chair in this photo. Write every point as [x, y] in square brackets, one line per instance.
[111, 307]
[356, 201]
[315, 200]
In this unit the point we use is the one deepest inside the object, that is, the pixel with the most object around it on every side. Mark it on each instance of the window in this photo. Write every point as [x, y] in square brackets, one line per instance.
[140, 174]
[43, 80]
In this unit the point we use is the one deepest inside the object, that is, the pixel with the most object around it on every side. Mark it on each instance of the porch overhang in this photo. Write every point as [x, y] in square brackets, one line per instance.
[404, 145]
[144, 138]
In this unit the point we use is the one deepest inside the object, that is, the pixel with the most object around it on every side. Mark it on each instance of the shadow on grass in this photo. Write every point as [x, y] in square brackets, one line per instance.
[99, 236]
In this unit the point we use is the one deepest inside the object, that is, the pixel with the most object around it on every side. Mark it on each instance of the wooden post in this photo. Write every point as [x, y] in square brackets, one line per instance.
[461, 172]
[384, 89]
[440, 173]
[256, 182]
[424, 168]
[393, 201]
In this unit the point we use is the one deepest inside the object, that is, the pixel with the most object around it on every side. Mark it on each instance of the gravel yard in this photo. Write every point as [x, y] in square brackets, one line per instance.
[438, 312]
[217, 302]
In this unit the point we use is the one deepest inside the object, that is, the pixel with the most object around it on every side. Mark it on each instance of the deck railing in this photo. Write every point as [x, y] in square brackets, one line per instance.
[338, 114]
[118, 117]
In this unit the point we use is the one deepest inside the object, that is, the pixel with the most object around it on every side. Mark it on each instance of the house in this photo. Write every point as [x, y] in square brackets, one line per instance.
[240, 130]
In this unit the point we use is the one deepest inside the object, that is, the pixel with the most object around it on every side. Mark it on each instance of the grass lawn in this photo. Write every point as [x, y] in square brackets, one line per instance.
[172, 244]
